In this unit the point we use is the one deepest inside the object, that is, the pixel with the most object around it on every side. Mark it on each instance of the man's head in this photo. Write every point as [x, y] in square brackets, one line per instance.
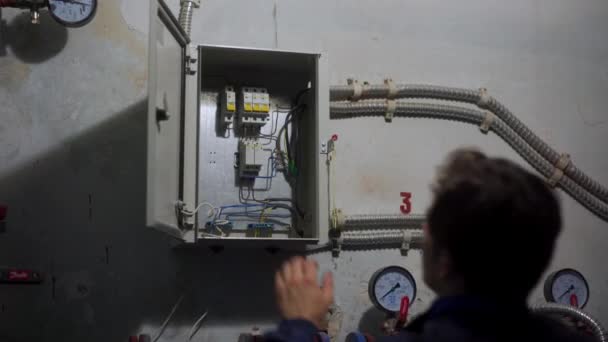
[491, 228]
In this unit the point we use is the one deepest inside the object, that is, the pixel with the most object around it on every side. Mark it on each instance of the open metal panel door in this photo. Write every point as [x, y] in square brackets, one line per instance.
[166, 96]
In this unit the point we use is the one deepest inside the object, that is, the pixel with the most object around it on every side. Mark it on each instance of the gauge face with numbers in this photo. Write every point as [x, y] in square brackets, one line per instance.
[389, 285]
[73, 13]
[567, 287]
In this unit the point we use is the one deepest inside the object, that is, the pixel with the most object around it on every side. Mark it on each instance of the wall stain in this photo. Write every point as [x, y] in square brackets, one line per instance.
[139, 79]
[369, 185]
[14, 72]
[110, 24]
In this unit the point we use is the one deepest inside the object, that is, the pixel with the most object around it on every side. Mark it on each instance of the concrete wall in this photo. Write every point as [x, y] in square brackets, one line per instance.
[73, 141]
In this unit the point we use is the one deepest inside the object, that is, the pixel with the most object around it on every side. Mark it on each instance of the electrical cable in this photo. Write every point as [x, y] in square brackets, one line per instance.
[424, 110]
[168, 319]
[212, 209]
[196, 326]
[480, 98]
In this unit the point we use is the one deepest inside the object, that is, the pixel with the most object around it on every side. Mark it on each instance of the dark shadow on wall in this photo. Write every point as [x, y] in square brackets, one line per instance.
[371, 321]
[77, 214]
[32, 43]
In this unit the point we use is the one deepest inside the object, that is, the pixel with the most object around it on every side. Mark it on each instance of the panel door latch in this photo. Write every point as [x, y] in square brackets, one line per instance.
[162, 114]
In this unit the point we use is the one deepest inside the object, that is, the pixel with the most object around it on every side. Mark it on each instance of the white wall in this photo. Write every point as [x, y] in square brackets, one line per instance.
[547, 60]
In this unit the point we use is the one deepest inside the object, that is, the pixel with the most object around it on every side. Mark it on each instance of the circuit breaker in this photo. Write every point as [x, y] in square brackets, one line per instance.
[255, 104]
[235, 150]
[228, 106]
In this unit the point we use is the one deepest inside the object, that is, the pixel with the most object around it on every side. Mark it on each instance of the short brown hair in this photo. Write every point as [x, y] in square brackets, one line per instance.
[493, 218]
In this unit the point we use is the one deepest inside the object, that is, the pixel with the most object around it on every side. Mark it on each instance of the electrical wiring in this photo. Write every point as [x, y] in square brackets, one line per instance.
[284, 158]
[276, 205]
[274, 126]
[212, 209]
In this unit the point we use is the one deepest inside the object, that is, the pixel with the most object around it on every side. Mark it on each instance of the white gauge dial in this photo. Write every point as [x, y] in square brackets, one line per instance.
[73, 13]
[567, 287]
[389, 285]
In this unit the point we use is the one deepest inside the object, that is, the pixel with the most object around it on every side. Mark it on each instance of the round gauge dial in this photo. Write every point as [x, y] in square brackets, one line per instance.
[389, 285]
[73, 13]
[568, 287]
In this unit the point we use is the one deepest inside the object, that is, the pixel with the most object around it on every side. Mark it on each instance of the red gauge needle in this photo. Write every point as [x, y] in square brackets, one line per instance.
[574, 300]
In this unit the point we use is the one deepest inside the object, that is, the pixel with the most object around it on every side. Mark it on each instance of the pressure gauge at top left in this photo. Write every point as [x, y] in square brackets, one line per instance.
[73, 13]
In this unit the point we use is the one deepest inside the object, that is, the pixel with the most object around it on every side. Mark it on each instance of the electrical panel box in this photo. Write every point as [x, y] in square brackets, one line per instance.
[235, 141]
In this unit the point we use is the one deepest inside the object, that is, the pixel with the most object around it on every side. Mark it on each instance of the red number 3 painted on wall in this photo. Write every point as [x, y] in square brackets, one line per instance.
[406, 207]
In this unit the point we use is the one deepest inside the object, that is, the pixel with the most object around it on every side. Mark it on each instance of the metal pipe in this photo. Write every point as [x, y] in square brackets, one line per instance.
[425, 110]
[380, 238]
[480, 98]
[185, 14]
[379, 221]
[570, 311]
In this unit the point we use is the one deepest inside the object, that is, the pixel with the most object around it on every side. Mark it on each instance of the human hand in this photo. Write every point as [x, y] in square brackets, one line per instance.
[298, 293]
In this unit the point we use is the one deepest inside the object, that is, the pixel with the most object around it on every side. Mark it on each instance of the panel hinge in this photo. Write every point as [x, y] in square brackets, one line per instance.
[185, 218]
[191, 60]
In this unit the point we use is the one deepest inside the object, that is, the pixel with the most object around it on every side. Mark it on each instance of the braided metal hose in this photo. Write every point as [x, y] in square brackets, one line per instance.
[447, 112]
[379, 238]
[565, 310]
[185, 15]
[360, 222]
[480, 98]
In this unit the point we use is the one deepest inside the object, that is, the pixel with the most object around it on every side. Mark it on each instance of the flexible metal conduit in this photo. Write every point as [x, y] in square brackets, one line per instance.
[570, 311]
[423, 110]
[185, 15]
[480, 98]
[379, 238]
[361, 222]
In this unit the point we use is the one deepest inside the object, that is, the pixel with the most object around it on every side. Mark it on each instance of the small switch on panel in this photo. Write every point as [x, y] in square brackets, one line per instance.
[228, 106]
[248, 99]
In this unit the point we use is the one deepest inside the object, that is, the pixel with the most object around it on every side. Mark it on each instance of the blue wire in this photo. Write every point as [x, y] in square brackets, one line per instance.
[241, 206]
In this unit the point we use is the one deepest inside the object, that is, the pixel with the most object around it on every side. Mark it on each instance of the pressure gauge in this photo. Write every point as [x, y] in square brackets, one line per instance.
[389, 285]
[73, 13]
[568, 287]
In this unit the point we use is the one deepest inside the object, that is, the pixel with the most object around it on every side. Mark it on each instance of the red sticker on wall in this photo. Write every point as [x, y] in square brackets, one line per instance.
[406, 207]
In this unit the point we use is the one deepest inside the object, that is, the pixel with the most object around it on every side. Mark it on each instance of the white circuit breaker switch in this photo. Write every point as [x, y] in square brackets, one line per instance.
[228, 106]
[248, 100]
[250, 159]
[255, 107]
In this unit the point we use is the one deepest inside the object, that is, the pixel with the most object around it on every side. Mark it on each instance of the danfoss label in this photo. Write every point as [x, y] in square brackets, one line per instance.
[18, 275]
